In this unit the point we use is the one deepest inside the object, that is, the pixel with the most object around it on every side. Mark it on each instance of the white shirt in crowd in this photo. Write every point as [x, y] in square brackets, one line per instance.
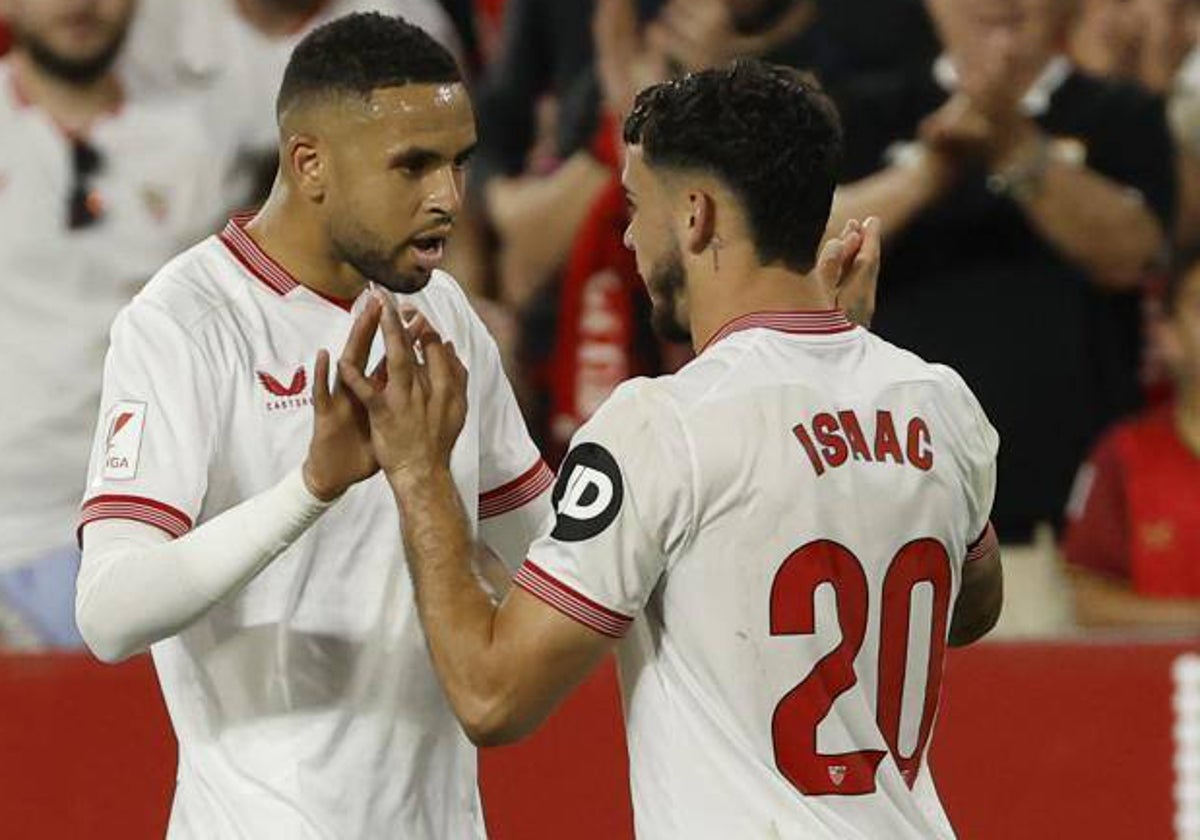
[153, 196]
[207, 53]
[305, 705]
[778, 533]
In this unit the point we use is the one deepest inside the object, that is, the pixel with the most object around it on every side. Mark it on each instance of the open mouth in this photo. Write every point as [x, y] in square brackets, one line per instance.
[428, 250]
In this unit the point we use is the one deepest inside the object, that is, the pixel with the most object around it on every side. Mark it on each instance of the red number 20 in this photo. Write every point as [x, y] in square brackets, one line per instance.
[794, 725]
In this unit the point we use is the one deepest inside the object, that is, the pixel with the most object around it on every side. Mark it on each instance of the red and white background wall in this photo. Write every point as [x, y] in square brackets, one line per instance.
[1035, 740]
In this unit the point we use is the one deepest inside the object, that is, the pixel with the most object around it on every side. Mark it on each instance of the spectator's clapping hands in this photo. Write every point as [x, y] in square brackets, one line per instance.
[983, 120]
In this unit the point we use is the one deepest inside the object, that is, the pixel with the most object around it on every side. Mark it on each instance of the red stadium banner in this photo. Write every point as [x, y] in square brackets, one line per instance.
[1039, 741]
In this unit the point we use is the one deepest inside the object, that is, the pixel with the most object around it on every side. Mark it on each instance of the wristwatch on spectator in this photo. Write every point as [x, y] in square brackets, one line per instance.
[1022, 179]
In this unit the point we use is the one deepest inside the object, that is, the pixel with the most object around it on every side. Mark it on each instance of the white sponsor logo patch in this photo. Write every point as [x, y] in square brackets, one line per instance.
[123, 440]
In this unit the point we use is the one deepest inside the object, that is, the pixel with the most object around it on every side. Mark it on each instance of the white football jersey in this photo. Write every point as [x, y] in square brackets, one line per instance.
[63, 287]
[778, 532]
[305, 705]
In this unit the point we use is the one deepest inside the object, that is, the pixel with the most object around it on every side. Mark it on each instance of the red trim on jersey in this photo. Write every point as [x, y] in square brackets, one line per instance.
[138, 508]
[574, 605]
[815, 322]
[986, 544]
[516, 493]
[253, 258]
[340, 303]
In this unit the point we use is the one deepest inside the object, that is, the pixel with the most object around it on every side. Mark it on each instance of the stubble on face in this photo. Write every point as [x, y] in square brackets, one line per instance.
[667, 285]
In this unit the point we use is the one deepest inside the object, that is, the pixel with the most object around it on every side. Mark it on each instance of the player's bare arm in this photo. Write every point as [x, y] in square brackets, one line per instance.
[505, 667]
[981, 597]
[135, 588]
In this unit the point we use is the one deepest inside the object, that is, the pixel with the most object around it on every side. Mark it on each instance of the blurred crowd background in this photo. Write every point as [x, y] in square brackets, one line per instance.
[1036, 165]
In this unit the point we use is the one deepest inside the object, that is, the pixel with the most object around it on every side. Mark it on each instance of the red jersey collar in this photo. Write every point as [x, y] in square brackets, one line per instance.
[813, 322]
[253, 258]
[260, 264]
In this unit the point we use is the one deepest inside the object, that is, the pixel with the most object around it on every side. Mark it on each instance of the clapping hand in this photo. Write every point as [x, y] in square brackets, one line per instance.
[415, 410]
[340, 452]
[848, 267]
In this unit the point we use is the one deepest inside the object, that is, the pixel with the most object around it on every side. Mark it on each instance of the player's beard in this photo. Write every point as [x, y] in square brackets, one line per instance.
[76, 70]
[667, 284]
[376, 262]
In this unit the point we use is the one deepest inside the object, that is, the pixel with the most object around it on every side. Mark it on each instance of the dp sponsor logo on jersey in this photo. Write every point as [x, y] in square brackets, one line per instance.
[588, 494]
[123, 440]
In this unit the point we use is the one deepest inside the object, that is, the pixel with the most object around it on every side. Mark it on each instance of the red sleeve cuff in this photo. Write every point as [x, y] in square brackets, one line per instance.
[517, 493]
[137, 508]
[544, 586]
[986, 544]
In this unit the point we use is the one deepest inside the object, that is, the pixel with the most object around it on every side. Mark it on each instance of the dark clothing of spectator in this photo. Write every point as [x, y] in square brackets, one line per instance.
[1053, 357]
[548, 49]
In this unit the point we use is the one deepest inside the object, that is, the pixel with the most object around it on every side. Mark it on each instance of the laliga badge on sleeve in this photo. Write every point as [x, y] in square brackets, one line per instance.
[123, 440]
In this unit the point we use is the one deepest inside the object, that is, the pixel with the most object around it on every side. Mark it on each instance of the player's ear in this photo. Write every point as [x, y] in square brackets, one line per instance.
[306, 165]
[701, 223]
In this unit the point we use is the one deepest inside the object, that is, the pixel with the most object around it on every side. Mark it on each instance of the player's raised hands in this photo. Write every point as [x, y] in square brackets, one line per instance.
[848, 266]
[340, 452]
[416, 410]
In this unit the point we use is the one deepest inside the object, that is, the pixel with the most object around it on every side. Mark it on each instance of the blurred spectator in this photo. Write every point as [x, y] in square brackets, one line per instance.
[1144, 41]
[601, 338]
[1027, 196]
[535, 196]
[1152, 43]
[1132, 542]
[899, 35]
[538, 209]
[464, 16]
[97, 190]
[228, 56]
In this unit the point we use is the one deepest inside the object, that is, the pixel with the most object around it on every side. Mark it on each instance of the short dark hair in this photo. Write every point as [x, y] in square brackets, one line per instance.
[360, 53]
[769, 132]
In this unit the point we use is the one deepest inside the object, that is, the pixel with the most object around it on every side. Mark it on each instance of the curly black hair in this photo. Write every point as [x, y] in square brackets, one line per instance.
[360, 53]
[769, 132]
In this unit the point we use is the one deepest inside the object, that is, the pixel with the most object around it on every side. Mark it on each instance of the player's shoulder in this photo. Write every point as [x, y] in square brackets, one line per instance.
[189, 289]
[642, 409]
[937, 390]
[892, 363]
